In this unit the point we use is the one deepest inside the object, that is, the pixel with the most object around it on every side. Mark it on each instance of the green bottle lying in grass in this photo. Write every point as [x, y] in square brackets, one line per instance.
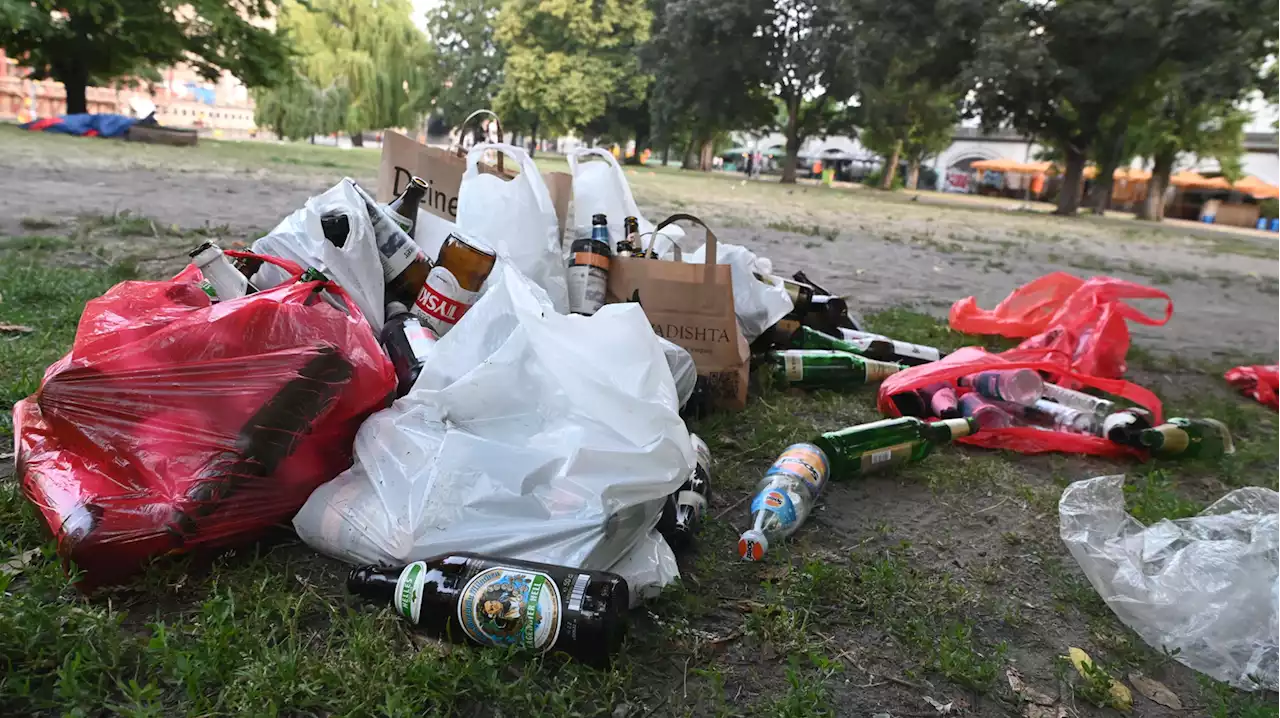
[825, 368]
[1188, 438]
[788, 491]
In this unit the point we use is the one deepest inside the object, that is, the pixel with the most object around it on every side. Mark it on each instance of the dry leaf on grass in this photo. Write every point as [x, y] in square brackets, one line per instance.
[15, 329]
[1155, 691]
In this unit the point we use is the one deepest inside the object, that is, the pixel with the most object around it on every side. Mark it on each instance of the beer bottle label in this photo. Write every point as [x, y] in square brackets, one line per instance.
[777, 502]
[878, 459]
[420, 338]
[918, 351]
[879, 370]
[396, 249]
[503, 606]
[794, 365]
[694, 499]
[587, 277]
[442, 301]
[805, 462]
[408, 597]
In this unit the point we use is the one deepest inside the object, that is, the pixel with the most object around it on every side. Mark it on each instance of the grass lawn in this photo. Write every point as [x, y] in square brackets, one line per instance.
[933, 581]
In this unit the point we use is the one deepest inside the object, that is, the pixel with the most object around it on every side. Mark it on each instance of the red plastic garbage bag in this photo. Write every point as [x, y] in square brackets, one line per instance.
[175, 423]
[1260, 382]
[1085, 320]
[1024, 439]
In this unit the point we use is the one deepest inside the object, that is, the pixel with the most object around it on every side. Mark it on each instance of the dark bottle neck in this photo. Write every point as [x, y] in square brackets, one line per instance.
[375, 584]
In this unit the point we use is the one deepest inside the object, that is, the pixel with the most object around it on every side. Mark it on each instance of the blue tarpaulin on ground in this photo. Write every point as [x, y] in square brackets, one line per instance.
[84, 124]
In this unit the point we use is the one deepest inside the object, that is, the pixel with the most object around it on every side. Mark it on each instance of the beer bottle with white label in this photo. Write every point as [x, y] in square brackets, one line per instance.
[867, 345]
[407, 344]
[468, 598]
[865, 448]
[685, 509]
[404, 209]
[588, 273]
[454, 283]
[826, 368]
[222, 281]
[404, 266]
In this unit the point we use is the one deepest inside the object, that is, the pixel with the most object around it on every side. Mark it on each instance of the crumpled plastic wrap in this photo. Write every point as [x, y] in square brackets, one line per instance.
[529, 434]
[1205, 586]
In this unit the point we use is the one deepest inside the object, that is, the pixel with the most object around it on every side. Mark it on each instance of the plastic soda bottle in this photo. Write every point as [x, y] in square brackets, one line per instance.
[784, 498]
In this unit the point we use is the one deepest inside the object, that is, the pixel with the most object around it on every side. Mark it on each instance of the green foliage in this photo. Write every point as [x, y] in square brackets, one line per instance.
[909, 114]
[361, 66]
[1153, 497]
[469, 58]
[566, 59]
[81, 41]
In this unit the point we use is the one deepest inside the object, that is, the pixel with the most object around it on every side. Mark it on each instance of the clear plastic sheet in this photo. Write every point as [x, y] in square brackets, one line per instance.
[529, 434]
[175, 423]
[1205, 586]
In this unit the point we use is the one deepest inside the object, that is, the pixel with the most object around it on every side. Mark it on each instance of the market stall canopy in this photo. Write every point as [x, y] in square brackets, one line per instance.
[1122, 174]
[1007, 165]
[1194, 180]
[1257, 187]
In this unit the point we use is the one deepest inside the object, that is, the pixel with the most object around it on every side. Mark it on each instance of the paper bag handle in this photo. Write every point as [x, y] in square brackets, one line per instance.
[710, 257]
[653, 237]
[463, 125]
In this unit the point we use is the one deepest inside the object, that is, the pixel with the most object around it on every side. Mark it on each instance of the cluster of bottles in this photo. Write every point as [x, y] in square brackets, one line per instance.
[423, 300]
[818, 344]
[1020, 397]
[492, 601]
[589, 259]
[791, 487]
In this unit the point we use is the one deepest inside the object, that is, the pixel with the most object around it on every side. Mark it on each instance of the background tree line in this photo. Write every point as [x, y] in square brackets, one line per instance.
[1099, 81]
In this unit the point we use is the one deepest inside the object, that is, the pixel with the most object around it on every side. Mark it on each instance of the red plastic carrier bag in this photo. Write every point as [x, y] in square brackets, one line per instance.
[1024, 439]
[175, 423]
[1260, 382]
[1085, 320]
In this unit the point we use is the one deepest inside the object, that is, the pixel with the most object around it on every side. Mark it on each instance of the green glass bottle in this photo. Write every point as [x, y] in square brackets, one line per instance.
[865, 345]
[826, 368]
[1188, 438]
[882, 444]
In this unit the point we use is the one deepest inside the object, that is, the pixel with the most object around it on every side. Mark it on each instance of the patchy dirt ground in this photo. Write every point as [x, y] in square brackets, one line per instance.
[903, 591]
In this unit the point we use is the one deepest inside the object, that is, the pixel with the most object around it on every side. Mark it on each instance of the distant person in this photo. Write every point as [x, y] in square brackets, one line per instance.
[751, 164]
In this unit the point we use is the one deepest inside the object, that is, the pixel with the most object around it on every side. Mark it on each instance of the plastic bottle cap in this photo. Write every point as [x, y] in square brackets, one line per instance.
[752, 545]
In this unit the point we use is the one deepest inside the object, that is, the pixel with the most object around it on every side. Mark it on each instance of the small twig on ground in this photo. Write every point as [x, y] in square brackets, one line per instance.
[736, 504]
[996, 505]
[15, 328]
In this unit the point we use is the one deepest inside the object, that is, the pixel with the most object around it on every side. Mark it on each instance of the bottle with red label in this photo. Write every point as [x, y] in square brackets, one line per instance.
[454, 283]
[466, 598]
[588, 273]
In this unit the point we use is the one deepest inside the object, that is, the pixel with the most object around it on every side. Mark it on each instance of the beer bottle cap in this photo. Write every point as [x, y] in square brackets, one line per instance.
[599, 219]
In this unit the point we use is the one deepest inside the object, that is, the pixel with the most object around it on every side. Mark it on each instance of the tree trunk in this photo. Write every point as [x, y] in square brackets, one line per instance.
[691, 155]
[1110, 156]
[1069, 196]
[357, 139]
[666, 153]
[793, 142]
[75, 80]
[913, 173]
[891, 167]
[707, 154]
[313, 139]
[533, 136]
[1152, 208]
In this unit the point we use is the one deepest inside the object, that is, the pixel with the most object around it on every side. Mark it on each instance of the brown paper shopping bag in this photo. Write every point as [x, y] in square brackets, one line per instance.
[692, 306]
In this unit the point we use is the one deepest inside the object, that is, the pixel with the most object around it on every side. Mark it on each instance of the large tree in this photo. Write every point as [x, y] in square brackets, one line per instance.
[1057, 71]
[370, 52]
[297, 110]
[906, 118]
[469, 58]
[83, 42]
[566, 59]
[811, 53]
[708, 79]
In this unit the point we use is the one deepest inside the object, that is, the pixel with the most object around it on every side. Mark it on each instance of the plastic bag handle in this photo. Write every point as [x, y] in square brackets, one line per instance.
[462, 125]
[653, 237]
[295, 274]
[1131, 290]
[710, 258]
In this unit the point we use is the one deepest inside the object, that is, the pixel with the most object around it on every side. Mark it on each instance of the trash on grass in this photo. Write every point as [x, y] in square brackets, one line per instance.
[505, 603]
[1202, 588]
[176, 424]
[1260, 382]
[1118, 695]
[529, 434]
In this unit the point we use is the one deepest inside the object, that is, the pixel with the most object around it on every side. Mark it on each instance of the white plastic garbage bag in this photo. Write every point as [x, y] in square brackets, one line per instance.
[757, 304]
[356, 266]
[1205, 585]
[600, 187]
[529, 434]
[519, 213]
[683, 371]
